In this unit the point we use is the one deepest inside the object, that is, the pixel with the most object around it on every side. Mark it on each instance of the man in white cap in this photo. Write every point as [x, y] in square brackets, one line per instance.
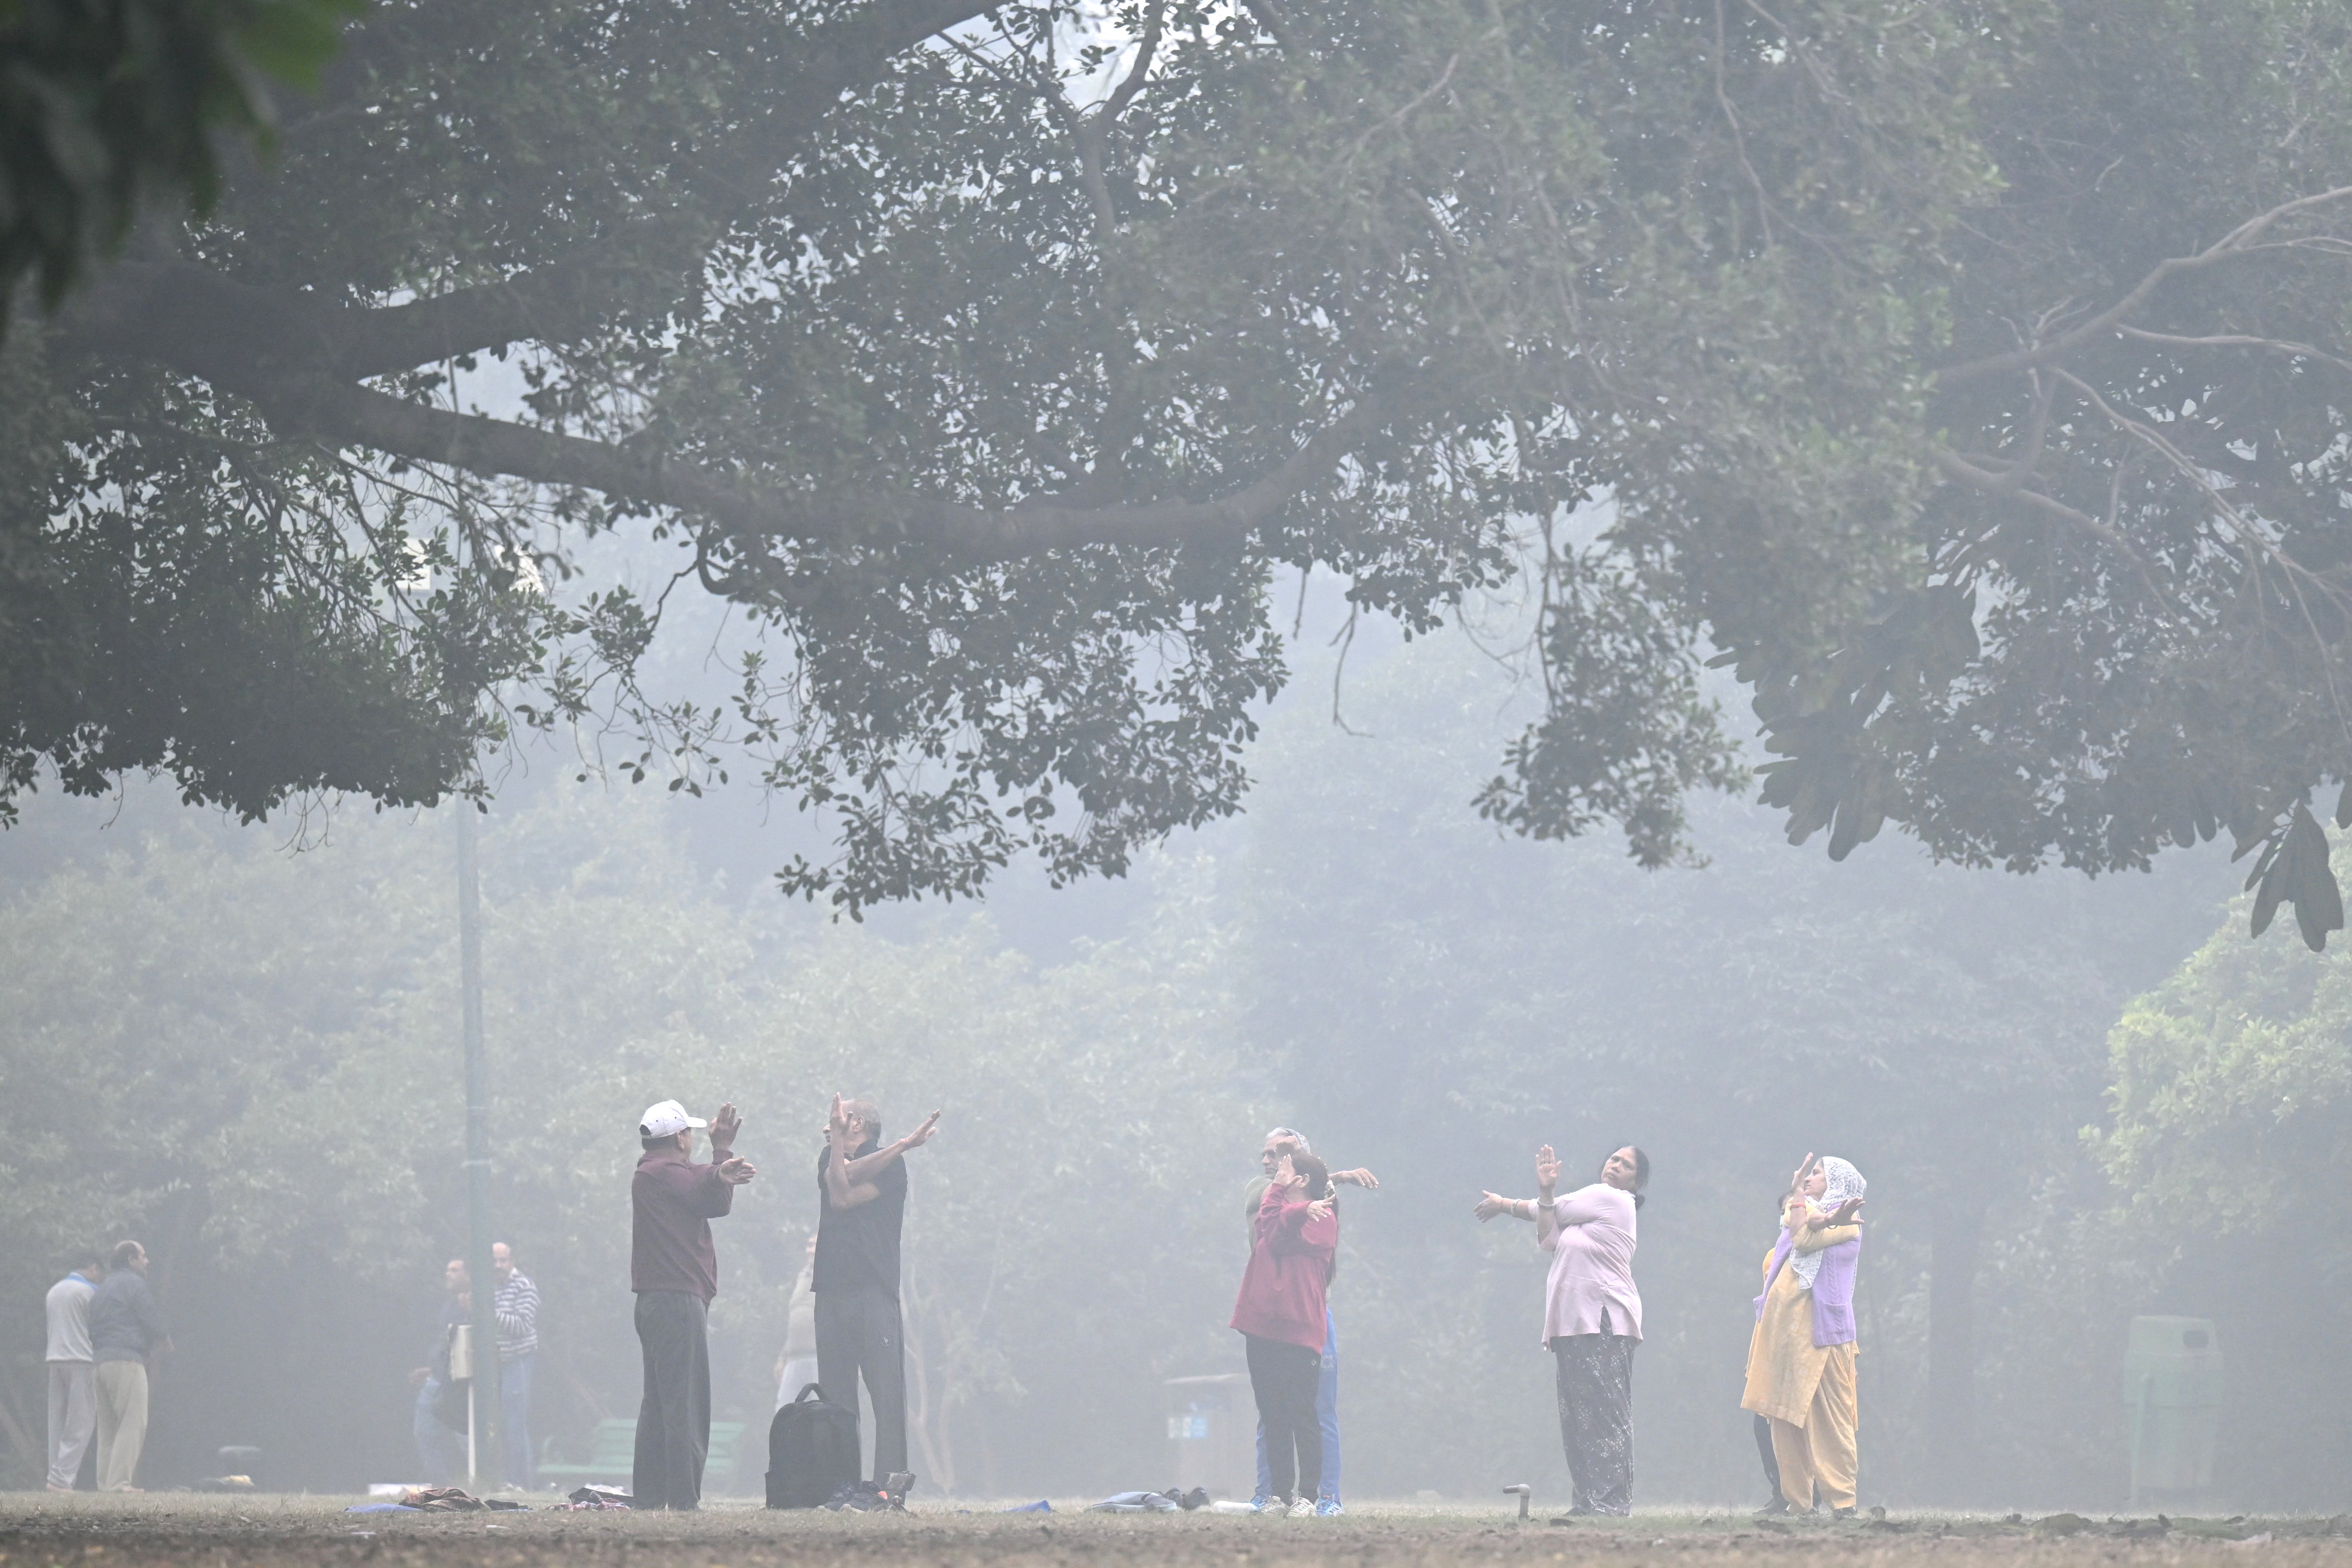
[674, 1268]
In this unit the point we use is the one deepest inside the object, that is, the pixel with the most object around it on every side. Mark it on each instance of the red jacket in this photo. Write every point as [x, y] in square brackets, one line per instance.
[1282, 1293]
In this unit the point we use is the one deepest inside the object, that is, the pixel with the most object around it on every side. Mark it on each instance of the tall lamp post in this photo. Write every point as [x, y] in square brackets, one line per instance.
[488, 1425]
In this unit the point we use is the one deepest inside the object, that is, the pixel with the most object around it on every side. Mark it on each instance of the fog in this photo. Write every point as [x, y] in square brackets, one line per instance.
[241, 1045]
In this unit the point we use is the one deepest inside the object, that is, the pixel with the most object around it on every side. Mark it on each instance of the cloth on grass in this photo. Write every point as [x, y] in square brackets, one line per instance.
[1134, 1503]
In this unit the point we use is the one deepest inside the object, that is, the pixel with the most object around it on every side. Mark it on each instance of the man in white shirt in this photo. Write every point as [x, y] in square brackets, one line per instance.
[73, 1371]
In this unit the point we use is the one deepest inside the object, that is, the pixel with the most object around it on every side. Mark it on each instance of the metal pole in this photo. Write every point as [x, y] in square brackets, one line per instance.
[486, 1424]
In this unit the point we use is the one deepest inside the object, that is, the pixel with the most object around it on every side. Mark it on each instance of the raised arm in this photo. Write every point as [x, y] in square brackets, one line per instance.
[849, 1181]
[1546, 1178]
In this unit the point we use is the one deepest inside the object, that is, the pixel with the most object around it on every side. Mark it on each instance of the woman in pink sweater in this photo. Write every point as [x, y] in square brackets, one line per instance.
[1592, 1316]
[1280, 1313]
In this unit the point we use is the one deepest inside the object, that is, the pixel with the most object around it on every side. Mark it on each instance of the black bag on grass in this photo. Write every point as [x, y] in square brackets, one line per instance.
[811, 1451]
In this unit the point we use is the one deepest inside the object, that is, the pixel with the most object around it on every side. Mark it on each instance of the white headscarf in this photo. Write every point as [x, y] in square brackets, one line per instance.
[1842, 1182]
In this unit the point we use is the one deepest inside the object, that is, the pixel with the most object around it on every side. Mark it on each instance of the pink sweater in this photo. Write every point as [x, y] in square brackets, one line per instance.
[1592, 1265]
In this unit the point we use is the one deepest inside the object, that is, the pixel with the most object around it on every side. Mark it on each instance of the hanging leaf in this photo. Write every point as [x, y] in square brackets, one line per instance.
[2295, 869]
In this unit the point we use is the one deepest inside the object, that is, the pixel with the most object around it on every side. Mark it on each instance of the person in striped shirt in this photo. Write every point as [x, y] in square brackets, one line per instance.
[516, 1305]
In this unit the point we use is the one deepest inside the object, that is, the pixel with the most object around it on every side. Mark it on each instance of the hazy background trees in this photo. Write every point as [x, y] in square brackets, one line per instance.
[255, 1052]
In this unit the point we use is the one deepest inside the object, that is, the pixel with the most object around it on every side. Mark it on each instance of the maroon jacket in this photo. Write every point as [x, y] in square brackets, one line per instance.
[673, 1202]
[1282, 1293]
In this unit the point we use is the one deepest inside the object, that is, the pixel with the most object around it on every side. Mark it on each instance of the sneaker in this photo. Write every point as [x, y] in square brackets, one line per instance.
[1303, 1508]
[1327, 1508]
[1263, 1504]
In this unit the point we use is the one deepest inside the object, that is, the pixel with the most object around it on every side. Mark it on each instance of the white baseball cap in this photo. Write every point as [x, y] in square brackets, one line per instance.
[667, 1119]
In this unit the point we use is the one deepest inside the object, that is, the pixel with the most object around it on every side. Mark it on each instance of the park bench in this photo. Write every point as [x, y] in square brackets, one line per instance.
[612, 1454]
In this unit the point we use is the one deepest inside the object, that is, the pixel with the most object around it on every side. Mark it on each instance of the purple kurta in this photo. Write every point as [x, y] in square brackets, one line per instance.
[1832, 1289]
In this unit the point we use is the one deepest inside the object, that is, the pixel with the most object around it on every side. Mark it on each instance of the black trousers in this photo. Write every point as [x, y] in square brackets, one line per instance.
[1283, 1377]
[860, 1331]
[1595, 1383]
[1771, 1462]
[674, 1419]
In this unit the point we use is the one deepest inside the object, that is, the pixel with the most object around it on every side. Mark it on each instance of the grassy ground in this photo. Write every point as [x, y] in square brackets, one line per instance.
[204, 1531]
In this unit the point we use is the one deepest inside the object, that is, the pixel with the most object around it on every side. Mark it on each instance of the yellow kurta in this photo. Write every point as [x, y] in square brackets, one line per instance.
[1806, 1390]
[1784, 1365]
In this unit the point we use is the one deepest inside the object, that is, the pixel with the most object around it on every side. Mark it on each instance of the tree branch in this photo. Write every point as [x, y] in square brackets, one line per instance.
[751, 515]
[2238, 242]
[2236, 341]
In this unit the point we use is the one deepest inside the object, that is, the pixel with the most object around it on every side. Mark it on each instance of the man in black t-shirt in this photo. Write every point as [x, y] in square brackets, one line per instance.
[861, 1183]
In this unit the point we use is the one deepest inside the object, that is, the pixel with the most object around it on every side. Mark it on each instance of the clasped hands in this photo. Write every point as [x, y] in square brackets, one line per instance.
[733, 1169]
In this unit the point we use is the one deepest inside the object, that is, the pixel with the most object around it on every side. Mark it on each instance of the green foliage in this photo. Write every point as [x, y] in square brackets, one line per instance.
[2232, 1090]
[108, 104]
[1964, 376]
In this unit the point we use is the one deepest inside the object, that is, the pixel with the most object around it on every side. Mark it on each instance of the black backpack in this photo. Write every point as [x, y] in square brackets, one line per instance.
[811, 1451]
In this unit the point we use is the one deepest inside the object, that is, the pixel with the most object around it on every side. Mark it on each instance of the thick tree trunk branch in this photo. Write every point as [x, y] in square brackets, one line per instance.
[755, 517]
[289, 356]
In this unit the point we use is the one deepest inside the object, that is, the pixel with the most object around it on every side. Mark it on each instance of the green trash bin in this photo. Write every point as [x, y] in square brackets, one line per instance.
[2172, 1387]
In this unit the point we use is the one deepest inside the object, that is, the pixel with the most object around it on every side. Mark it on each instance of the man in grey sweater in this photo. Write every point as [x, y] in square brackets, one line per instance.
[126, 1329]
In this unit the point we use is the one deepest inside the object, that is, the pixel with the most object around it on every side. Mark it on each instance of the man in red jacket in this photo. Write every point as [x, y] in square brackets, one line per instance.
[674, 1268]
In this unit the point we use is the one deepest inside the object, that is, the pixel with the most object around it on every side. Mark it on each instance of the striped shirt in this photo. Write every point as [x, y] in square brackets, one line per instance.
[517, 1306]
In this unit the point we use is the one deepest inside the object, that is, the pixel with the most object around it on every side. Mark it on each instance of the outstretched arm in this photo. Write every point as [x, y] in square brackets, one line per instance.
[1491, 1204]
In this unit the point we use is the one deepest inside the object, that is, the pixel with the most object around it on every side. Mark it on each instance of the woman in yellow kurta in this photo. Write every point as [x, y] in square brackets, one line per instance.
[1801, 1359]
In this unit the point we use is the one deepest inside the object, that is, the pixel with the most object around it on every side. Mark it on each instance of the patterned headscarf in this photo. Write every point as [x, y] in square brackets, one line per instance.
[1842, 1182]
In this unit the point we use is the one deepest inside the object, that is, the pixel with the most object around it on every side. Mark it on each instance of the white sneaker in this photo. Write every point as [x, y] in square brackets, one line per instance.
[1303, 1508]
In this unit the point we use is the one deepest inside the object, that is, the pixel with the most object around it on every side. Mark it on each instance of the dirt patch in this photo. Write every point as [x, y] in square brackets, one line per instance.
[264, 1532]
